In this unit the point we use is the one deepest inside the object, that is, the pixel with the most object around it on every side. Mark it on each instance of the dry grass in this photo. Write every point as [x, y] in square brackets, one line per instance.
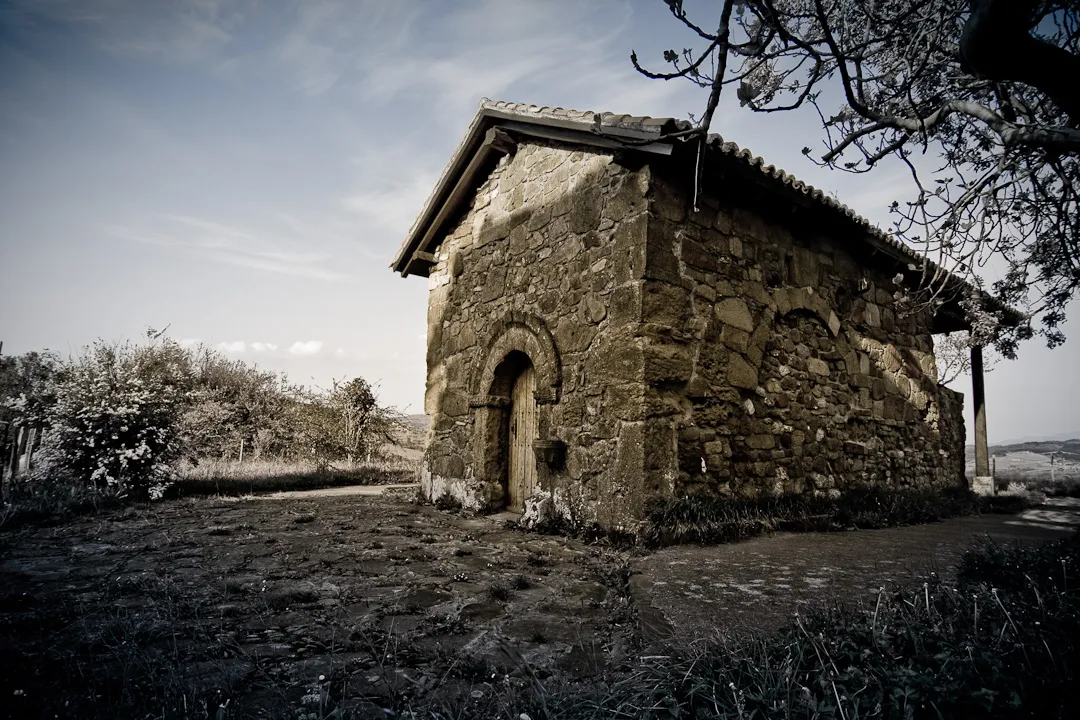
[227, 477]
[1067, 486]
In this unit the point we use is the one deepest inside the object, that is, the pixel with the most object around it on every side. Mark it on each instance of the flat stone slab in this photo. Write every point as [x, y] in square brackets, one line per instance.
[757, 585]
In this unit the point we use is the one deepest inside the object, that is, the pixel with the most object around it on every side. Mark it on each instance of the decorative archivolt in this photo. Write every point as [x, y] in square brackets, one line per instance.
[524, 333]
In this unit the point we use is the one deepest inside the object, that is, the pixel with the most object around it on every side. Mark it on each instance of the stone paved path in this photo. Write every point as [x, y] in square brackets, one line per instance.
[730, 590]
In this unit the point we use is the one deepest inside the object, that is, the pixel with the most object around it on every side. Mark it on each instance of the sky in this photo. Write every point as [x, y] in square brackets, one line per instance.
[243, 172]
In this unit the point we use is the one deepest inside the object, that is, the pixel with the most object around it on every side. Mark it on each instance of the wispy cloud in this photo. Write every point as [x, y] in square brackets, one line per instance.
[233, 348]
[311, 347]
[329, 41]
[178, 31]
[388, 196]
[263, 347]
[234, 246]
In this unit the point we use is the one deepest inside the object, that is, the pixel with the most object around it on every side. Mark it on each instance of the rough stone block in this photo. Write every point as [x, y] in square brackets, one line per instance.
[572, 335]
[695, 254]
[594, 307]
[661, 262]
[854, 448]
[628, 244]
[585, 208]
[805, 271]
[741, 374]
[665, 304]
[734, 312]
[617, 360]
[667, 362]
[761, 442]
[624, 401]
[666, 199]
[872, 315]
[818, 367]
[624, 306]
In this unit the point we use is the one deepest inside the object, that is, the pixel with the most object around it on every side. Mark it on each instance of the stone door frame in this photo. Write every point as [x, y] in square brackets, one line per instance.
[517, 339]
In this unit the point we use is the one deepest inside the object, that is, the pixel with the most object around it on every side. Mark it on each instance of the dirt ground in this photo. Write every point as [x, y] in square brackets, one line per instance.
[296, 605]
[264, 605]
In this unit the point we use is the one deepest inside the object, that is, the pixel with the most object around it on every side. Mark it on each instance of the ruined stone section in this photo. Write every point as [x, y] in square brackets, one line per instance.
[777, 362]
[548, 262]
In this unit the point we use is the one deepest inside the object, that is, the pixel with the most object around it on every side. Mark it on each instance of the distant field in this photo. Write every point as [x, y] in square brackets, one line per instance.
[1031, 460]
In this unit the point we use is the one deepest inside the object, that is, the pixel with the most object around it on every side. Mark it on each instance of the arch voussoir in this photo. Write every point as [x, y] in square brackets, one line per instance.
[527, 334]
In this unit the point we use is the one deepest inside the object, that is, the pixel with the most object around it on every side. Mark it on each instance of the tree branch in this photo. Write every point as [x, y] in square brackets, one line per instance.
[996, 44]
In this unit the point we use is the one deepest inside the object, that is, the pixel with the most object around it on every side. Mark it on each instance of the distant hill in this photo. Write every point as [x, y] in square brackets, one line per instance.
[1066, 449]
[1074, 434]
[1031, 459]
[417, 422]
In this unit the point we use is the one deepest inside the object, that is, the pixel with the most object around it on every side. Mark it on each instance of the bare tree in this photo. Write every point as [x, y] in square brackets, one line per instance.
[988, 90]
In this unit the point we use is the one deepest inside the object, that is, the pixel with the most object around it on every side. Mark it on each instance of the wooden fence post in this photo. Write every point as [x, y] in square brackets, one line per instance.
[16, 451]
[31, 440]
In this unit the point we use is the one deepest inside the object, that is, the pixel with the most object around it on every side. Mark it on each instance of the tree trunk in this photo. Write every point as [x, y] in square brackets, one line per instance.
[997, 45]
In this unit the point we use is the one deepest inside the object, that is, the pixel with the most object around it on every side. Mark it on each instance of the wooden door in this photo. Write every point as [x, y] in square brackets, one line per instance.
[522, 462]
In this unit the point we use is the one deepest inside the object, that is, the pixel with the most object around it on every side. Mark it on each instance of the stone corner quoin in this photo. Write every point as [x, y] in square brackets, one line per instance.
[751, 346]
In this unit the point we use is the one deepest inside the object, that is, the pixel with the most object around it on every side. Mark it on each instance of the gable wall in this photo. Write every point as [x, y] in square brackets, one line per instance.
[552, 244]
[778, 363]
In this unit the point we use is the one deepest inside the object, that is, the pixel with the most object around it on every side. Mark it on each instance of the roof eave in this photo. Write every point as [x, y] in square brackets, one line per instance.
[473, 154]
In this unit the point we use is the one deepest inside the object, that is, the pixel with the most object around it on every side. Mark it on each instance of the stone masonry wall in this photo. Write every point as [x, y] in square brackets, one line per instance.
[732, 351]
[547, 261]
[776, 362]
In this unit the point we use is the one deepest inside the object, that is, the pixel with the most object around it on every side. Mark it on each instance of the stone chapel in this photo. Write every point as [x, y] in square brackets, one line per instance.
[615, 316]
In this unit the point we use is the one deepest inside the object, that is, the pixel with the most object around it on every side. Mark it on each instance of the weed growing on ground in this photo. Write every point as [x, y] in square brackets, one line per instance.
[447, 503]
[499, 591]
[710, 519]
[1003, 642]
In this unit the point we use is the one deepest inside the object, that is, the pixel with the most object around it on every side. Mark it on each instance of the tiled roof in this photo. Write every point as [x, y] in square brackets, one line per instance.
[631, 130]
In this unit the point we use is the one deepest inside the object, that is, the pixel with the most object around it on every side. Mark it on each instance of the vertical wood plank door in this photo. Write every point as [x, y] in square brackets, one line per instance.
[522, 461]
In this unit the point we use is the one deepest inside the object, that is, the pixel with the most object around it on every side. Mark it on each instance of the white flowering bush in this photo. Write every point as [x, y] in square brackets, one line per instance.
[115, 421]
[123, 420]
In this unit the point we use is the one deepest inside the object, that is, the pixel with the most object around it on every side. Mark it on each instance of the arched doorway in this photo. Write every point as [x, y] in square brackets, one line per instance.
[515, 387]
[521, 460]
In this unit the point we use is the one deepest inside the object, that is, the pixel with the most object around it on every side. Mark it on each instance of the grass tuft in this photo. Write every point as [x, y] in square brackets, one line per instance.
[710, 519]
[1001, 642]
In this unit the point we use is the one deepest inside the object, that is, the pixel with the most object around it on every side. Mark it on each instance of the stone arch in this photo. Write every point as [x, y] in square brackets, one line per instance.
[793, 300]
[518, 333]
